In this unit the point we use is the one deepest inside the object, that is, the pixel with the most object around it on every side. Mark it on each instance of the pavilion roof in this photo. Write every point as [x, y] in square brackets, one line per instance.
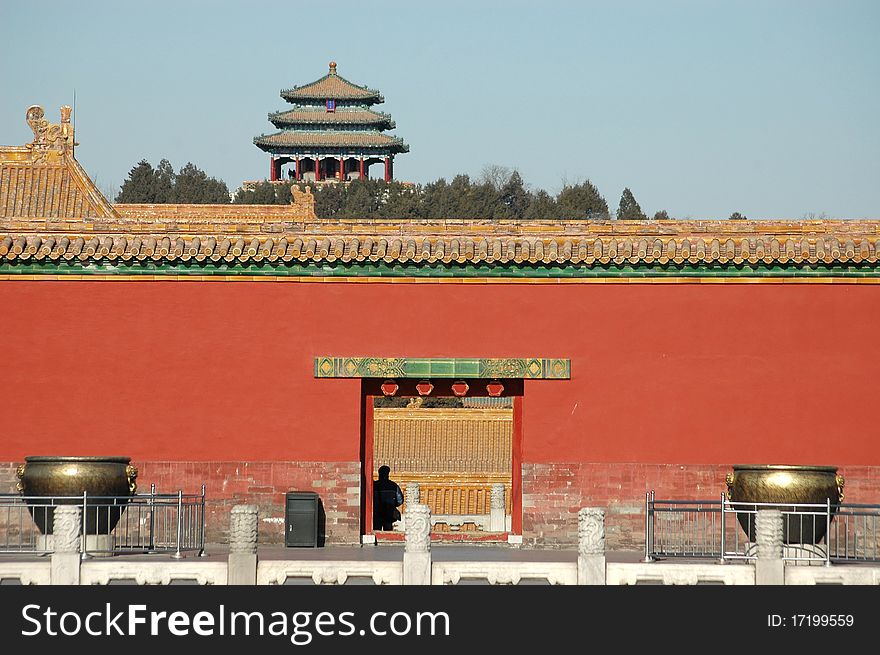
[331, 139]
[332, 86]
[301, 116]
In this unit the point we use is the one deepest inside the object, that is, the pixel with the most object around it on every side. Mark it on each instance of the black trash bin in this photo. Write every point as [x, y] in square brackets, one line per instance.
[304, 520]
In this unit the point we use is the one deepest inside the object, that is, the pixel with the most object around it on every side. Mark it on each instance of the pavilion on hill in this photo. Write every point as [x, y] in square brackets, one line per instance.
[331, 133]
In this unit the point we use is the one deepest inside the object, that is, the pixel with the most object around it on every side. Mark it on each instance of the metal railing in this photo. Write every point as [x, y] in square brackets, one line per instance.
[142, 523]
[725, 530]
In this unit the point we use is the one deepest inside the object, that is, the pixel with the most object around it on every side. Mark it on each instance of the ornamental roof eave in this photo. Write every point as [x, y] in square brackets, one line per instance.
[292, 142]
[543, 249]
[332, 86]
[366, 117]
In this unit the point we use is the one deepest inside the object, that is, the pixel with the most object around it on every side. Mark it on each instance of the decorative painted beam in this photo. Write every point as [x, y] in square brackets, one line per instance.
[532, 368]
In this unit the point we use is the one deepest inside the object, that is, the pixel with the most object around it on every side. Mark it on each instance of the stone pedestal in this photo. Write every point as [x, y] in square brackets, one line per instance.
[417, 551]
[769, 565]
[591, 546]
[66, 541]
[243, 527]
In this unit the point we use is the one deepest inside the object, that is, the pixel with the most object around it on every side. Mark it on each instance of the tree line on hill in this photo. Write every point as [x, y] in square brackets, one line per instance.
[498, 193]
[161, 185]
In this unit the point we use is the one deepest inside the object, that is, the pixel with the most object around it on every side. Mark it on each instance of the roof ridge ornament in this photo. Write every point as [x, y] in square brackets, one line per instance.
[49, 136]
[332, 68]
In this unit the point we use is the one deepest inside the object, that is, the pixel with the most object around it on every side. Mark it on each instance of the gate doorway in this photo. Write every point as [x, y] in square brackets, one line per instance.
[454, 447]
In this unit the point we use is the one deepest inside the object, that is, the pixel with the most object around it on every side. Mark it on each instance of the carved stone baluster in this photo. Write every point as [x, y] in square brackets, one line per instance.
[243, 532]
[591, 546]
[769, 566]
[66, 531]
[417, 551]
[496, 509]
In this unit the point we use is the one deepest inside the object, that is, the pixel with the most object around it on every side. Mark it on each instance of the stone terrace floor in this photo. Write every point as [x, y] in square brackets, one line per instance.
[369, 552]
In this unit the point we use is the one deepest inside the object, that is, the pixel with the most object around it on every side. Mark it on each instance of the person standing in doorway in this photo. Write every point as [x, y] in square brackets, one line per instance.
[387, 497]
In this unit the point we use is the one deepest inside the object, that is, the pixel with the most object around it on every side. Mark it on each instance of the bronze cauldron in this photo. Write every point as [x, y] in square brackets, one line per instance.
[71, 476]
[785, 485]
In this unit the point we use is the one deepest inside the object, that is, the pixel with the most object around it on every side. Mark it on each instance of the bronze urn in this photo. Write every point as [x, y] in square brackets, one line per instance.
[107, 481]
[783, 486]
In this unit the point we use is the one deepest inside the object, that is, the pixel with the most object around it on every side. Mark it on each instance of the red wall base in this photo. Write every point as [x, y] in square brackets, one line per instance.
[260, 483]
[553, 494]
[264, 484]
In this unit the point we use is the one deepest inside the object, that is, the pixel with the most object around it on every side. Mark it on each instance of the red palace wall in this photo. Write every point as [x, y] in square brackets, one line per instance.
[671, 383]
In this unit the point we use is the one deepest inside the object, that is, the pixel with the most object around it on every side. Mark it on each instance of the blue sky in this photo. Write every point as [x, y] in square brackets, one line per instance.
[702, 108]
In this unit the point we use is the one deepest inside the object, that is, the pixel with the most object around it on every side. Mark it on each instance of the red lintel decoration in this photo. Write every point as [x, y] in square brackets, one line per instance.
[389, 387]
[460, 387]
[425, 388]
[495, 388]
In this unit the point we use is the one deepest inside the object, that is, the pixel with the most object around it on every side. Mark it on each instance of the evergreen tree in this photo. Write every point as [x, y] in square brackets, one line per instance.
[582, 201]
[483, 201]
[514, 196]
[329, 200]
[194, 186]
[736, 216]
[161, 185]
[662, 215]
[438, 199]
[263, 193]
[164, 179]
[542, 206]
[139, 185]
[629, 209]
[361, 200]
[397, 200]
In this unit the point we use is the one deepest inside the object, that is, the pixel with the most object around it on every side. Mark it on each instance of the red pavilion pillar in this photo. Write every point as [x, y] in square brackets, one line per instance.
[361, 169]
[341, 169]
[298, 174]
[317, 169]
[272, 177]
[387, 168]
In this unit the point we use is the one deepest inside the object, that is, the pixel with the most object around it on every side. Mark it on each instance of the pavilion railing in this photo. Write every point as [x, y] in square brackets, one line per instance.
[144, 523]
[712, 529]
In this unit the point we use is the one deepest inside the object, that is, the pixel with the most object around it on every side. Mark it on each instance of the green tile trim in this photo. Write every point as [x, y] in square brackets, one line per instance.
[535, 368]
[426, 270]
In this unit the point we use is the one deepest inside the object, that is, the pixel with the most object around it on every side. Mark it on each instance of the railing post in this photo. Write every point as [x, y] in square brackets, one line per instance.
[769, 565]
[66, 529]
[723, 527]
[178, 554]
[204, 523]
[649, 545]
[827, 532]
[85, 512]
[591, 546]
[417, 547]
[152, 516]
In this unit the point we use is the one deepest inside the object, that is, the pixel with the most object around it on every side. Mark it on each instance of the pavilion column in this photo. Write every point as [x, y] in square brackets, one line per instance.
[317, 169]
[272, 177]
[341, 169]
[387, 168]
[298, 173]
[361, 169]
